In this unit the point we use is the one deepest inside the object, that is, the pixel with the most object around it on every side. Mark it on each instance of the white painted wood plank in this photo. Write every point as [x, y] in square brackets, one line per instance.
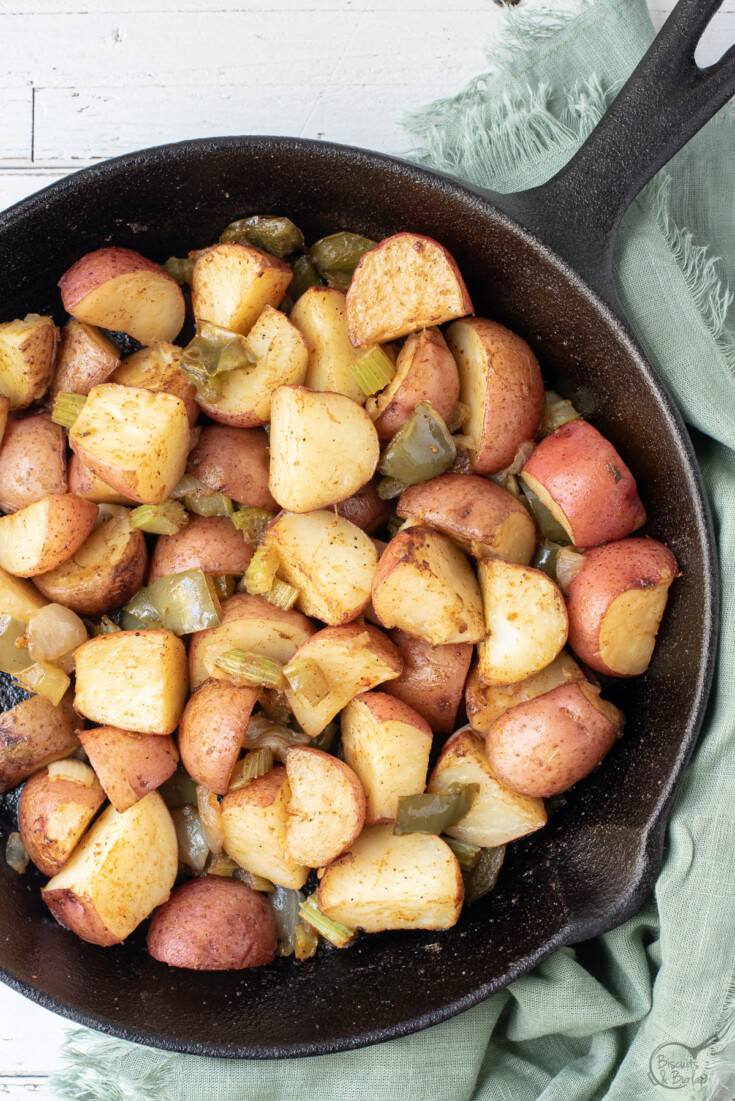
[24, 1089]
[16, 109]
[30, 1037]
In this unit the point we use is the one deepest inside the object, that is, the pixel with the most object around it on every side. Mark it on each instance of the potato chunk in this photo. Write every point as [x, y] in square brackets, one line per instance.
[136, 680]
[27, 353]
[432, 680]
[85, 483]
[487, 702]
[32, 461]
[254, 824]
[41, 536]
[320, 315]
[212, 729]
[389, 882]
[234, 461]
[55, 807]
[157, 368]
[86, 358]
[129, 765]
[329, 560]
[19, 599]
[34, 733]
[134, 440]
[327, 807]
[425, 371]
[232, 284]
[208, 543]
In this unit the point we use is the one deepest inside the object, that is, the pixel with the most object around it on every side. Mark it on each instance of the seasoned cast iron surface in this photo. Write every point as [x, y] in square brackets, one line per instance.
[594, 863]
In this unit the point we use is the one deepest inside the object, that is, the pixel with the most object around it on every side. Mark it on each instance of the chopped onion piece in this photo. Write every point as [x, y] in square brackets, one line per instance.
[44, 679]
[54, 631]
[14, 656]
[15, 853]
[71, 769]
[211, 818]
[568, 564]
[558, 411]
[193, 847]
[255, 882]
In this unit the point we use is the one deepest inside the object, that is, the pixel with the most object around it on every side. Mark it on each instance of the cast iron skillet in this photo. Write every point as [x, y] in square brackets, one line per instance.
[597, 860]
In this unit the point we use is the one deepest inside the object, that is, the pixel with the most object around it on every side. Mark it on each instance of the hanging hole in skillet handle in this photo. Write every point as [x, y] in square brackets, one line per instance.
[667, 99]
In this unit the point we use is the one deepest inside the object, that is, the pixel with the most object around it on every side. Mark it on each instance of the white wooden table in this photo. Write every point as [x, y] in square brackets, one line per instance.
[84, 81]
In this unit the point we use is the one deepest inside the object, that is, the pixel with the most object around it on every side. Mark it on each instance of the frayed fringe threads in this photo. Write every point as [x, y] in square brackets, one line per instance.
[92, 1072]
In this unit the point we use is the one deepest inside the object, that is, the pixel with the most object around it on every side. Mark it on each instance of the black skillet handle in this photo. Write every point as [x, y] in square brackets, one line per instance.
[666, 100]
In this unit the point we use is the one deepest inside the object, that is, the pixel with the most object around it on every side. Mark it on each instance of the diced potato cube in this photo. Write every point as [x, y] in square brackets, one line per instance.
[254, 825]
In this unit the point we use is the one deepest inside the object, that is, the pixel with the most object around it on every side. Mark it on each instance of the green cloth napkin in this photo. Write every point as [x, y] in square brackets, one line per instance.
[609, 1018]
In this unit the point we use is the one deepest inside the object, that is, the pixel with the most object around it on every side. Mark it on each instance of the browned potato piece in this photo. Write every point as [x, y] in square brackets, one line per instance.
[234, 461]
[425, 586]
[388, 744]
[4, 410]
[364, 508]
[213, 924]
[211, 732]
[56, 805]
[129, 765]
[105, 572]
[85, 483]
[123, 868]
[327, 807]
[232, 284]
[500, 381]
[19, 599]
[498, 814]
[27, 353]
[319, 314]
[254, 824]
[487, 702]
[432, 680]
[86, 358]
[34, 733]
[157, 369]
[393, 882]
[136, 680]
[425, 371]
[208, 543]
[32, 461]
[247, 623]
[41, 536]
[482, 517]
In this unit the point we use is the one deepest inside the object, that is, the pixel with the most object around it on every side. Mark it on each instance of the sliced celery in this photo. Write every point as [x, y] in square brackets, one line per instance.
[220, 864]
[261, 573]
[165, 519]
[435, 811]
[209, 504]
[337, 934]
[282, 595]
[253, 522]
[421, 449]
[373, 370]
[255, 882]
[66, 408]
[250, 767]
[185, 602]
[307, 680]
[249, 669]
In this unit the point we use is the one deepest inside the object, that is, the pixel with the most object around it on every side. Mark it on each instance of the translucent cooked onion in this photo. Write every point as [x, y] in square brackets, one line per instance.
[71, 769]
[15, 853]
[263, 733]
[211, 818]
[53, 632]
[568, 564]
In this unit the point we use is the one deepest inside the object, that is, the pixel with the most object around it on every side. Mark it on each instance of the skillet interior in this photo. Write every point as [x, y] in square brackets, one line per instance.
[594, 863]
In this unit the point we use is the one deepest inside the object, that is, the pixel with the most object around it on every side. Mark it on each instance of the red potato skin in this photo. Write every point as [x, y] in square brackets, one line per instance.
[32, 460]
[212, 729]
[431, 377]
[365, 509]
[39, 798]
[209, 543]
[546, 745]
[77, 913]
[386, 708]
[33, 734]
[433, 678]
[236, 462]
[97, 267]
[609, 571]
[586, 477]
[129, 765]
[213, 924]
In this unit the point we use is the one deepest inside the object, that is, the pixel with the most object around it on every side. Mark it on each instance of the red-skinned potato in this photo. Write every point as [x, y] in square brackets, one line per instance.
[236, 462]
[85, 483]
[500, 381]
[86, 358]
[157, 369]
[487, 702]
[34, 733]
[211, 732]
[319, 314]
[497, 814]
[32, 461]
[425, 371]
[55, 807]
[616, 603]
[432, 679]
[254, 824]
[364, 508]
[27, 355]
[4, 411]
[482, 517]
[387, 744]
[118, 289]
[544, 746]
[208, 543]
[406, 283]
[326, 811]
[232, 284]
[585, 484]
[129, 766]
[41, 536]
[121, 870]
[213, 924]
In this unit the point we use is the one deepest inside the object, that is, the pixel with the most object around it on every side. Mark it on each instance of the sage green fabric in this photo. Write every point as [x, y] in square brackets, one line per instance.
[589, 1022]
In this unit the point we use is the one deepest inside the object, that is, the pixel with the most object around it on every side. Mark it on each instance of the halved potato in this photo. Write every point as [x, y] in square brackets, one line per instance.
[425, 586]
[32, 461]
[482, 517]
[487, 702]
[254, 824]
[425, 371]
[129, 766]
[353, 658]
[525, 620]
[232, 284]
[329, 560]
[432, 680]
[136, 680]
[4, 410]
[327, 807]
[19, 599]
[365, 508]
[27, 354]
[41, 536]
[247, 623]
[281, 358]
[389, 882]
[34, 733]
[55, 807]
[387, 744]
[117, 288]
[119, 872]
[85, 483]
[234, 461]
[500, 381]
[135, 440]
[211, 732]
[324, 447]
[208, 543]
[105, 572]
[319, 314]
[86, 358]
[407, 282]
[157, 368]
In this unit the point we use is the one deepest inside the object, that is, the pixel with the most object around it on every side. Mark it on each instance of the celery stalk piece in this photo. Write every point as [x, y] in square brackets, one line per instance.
[165, 519]
[180, 269]
[306, 678]
[549, 527]
[339, 252]
[250, 767]
[483, 876]
[373, 370]
[66, 408]
[467, 855]
[338, 935]
[282, 595]
[44, 679]
[209, 504]
[434, 812]
[13, 658]
[253, 522]
[558, 411]
[193, 847]
[249, 669]
[185, 602]
[220, 864]
[261, 573]
[421, 449]
[305, 942]
[273, 234]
